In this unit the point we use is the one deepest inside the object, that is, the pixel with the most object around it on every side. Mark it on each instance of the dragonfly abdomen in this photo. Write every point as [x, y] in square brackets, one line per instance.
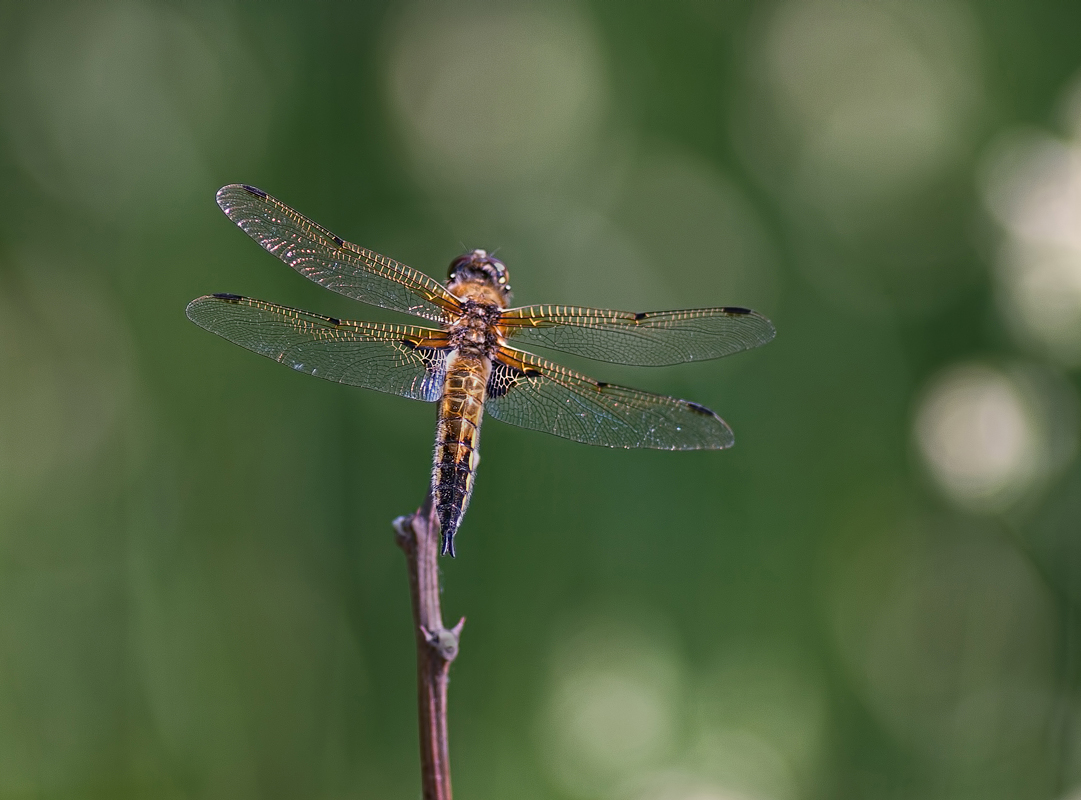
[457, 437]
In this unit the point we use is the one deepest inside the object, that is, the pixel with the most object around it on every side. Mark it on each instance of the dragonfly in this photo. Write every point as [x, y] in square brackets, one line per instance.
[467, 361]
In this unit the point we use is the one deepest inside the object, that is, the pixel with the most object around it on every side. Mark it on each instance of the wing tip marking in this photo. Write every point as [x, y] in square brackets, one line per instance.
[736, 310]
[228, 297]
[254, 190]
[640, 315]
[697, 408]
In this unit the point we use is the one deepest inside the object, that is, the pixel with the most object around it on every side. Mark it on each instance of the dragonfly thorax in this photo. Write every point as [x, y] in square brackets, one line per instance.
[476, 330]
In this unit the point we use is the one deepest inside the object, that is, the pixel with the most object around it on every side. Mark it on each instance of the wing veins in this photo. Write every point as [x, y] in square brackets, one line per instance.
[644, 339]
[406, 360]
[545, 396]
[325, 258]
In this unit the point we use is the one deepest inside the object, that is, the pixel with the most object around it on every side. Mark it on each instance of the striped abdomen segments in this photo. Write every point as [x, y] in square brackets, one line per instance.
[457, 436]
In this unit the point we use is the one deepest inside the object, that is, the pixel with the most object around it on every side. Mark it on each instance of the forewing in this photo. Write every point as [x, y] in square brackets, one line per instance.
[398, 359]
[531, 392]
[330, 261]
[645, 339]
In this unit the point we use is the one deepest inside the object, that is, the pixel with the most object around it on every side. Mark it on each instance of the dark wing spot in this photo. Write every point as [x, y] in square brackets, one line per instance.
[602, 385]
[502, 379]
[252, 190]
[737, 310]
[338, 240]
[229, 298]
[640, 315]
[505, 377]
[705, 412]
[334, 321]
[431, 357]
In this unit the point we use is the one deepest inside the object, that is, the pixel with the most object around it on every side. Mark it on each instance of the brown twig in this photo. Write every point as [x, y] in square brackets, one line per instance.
[437, 646]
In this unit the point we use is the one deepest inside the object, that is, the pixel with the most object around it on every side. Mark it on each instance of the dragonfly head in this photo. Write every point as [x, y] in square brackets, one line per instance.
[479, 266]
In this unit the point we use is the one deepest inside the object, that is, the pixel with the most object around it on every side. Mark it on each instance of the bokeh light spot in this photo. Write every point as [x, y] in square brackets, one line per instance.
[977, 435]
[948, 635]
[612, 707]
[117, 100]
[874, 97]
[1032, 186]
[988, 435]
[762, 718]
[493, 93]
[675, 785]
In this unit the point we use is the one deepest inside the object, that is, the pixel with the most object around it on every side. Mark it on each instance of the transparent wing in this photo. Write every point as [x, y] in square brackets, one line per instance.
[530, 392]
[647, 339]
[398, 359]
[329, 260]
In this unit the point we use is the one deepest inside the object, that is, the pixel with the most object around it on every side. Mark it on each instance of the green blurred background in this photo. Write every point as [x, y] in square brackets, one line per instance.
[873, 595]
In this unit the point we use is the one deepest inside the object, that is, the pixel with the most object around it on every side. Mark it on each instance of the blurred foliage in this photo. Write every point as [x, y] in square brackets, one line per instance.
[874, 594]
